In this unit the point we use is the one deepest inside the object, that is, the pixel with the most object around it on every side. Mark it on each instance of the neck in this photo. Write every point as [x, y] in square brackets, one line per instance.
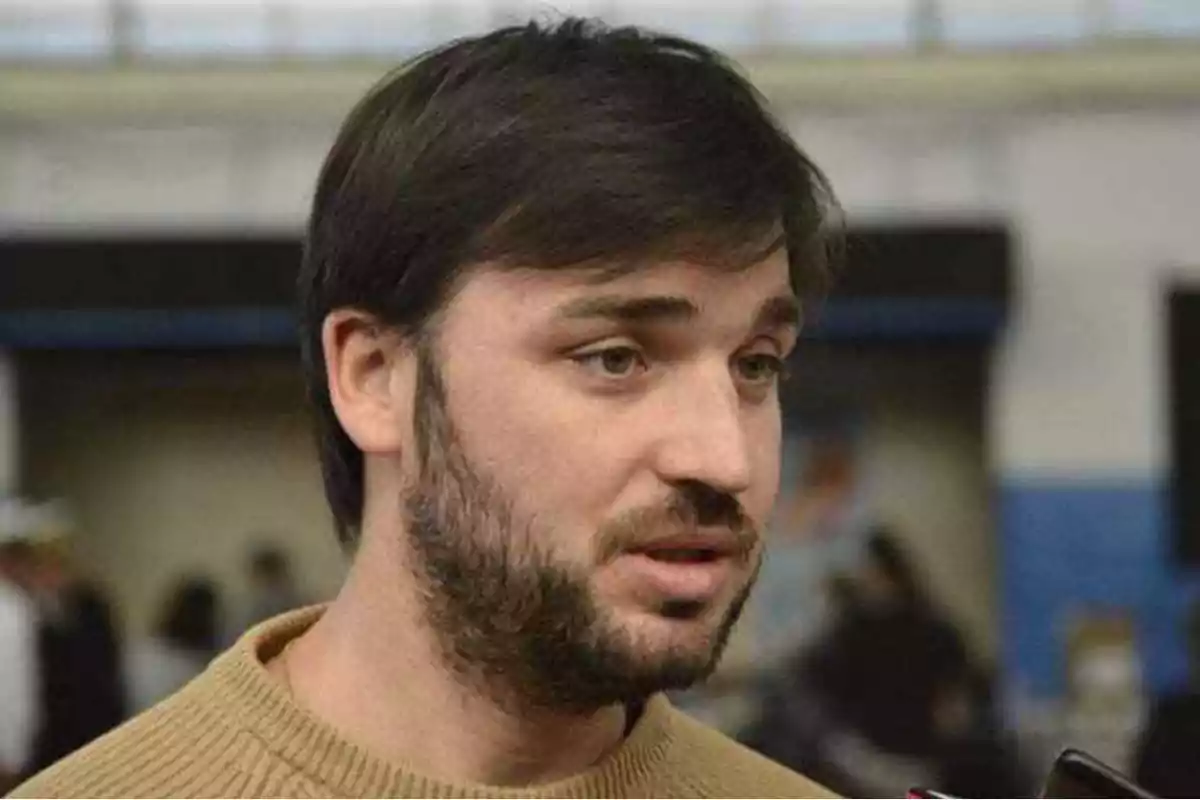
[371, 668]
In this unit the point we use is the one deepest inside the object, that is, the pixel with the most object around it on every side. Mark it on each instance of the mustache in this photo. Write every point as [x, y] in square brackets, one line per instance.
[690, 507]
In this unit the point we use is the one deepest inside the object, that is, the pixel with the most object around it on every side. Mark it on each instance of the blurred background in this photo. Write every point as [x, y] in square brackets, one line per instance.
[989, 532]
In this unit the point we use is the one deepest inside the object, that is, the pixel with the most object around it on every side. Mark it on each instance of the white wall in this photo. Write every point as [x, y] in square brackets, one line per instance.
[1104, 205]
[161, 176]
[1107, 209]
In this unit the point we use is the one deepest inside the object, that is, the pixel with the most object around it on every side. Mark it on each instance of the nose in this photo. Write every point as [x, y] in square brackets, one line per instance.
[704, 438]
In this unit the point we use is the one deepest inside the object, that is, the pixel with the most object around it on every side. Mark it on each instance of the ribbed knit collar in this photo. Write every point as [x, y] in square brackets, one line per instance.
[251, 699]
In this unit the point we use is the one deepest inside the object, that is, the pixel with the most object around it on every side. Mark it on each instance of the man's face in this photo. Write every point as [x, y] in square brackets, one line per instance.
[596, 461]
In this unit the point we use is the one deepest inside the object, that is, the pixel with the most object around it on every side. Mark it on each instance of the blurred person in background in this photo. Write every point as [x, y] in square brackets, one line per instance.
[890, 657]
[1166, 763]
[19, 693]
[79, 656]
[886, 696]
[184, 641]
[974, 755]
[792, 724]
[273, 587]
[550, 281]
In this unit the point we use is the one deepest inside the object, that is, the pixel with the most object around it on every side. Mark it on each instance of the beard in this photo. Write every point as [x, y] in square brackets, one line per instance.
[517, 622]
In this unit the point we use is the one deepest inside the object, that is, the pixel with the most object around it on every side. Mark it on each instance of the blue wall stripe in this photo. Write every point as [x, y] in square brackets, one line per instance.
[839, 319]
[1073, 546]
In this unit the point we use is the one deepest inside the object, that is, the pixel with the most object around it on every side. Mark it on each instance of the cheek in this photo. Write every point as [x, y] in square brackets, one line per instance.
[766, 438]
[552, 451]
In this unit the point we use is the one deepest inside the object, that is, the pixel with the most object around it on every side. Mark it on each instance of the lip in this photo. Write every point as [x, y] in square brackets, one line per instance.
[682, 580]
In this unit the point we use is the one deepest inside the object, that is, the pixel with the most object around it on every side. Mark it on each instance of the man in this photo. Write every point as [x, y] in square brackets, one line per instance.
[79, 656]
[550, 281]
[273, 587]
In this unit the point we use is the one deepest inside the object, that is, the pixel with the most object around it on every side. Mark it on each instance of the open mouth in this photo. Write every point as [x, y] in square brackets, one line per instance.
[682, 555]
[691, 569]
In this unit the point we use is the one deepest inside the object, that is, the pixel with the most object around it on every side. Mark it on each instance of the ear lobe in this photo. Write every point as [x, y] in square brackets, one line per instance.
[363, 359]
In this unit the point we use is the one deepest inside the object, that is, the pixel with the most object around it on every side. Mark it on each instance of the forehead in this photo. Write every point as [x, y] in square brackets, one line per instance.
[528, 296]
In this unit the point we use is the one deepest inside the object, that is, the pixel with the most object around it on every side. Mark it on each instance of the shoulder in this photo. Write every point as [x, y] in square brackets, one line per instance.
[718, 766]
[145, 757]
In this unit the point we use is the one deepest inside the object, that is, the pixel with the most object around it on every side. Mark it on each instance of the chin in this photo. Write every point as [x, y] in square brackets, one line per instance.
[681, 633]
[679, 665]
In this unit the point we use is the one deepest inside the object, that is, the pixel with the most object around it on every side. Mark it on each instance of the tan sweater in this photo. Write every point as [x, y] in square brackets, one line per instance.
[236, 732]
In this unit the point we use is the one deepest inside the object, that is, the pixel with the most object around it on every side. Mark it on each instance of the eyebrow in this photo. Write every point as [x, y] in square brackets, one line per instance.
[656, 308]
[780, 311]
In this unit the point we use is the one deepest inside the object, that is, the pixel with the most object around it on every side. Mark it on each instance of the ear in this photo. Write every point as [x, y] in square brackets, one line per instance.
[371, 373]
